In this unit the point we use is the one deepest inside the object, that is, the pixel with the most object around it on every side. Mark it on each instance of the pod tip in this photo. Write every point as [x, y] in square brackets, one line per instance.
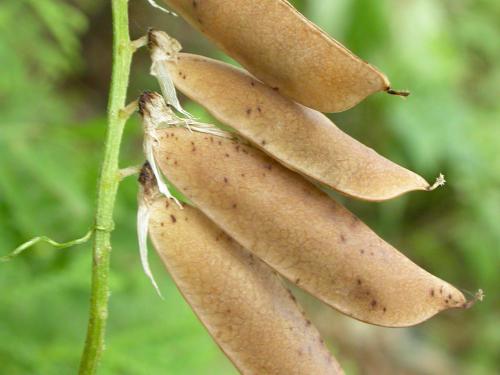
[401, 93]
[478, 296]
[440, 181]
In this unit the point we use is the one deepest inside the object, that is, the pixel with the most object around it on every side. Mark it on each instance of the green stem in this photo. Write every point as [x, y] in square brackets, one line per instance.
[107, 190]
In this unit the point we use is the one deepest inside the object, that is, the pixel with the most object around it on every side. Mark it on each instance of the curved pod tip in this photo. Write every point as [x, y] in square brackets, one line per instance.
[401, 93]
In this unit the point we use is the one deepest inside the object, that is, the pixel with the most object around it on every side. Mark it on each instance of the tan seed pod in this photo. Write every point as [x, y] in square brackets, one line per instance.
[239, 299]
[299, 137]
[278, 45]
[299, 231]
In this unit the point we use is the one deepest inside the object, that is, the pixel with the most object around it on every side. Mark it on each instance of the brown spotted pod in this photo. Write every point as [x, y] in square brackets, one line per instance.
[298, 230]
[238, 298]
[300, 138]
[285, 50]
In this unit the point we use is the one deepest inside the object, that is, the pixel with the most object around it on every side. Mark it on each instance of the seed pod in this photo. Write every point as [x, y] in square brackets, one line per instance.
[299, 231]
[238, 298]
[278, 45]
[299, 137]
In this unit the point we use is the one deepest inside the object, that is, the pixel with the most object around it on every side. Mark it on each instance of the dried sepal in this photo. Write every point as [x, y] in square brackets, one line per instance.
[148, 192]
[164, 49]
[156, 114]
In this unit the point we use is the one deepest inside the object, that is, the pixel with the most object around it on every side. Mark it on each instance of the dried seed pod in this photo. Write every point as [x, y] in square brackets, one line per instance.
[299, 137]
[239, 299]
[300, 232]
[278, 45]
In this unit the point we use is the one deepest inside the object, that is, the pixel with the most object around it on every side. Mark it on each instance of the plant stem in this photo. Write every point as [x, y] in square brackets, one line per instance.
[107, 190]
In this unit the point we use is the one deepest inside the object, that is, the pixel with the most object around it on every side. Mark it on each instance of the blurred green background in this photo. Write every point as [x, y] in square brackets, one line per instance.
[54, 76]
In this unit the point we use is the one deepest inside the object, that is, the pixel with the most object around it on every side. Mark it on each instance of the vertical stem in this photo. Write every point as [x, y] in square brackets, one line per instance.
[107, 189]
